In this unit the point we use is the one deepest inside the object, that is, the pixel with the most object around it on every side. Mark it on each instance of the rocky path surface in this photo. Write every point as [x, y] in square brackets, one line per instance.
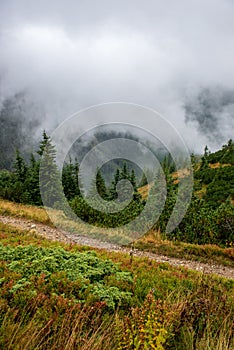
[67, 237]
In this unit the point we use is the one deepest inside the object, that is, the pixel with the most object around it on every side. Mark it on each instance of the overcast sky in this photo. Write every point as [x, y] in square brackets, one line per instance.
[73, 54]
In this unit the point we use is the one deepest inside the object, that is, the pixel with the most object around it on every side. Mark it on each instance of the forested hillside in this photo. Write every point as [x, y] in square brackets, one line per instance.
[214, 175]
[209, 218]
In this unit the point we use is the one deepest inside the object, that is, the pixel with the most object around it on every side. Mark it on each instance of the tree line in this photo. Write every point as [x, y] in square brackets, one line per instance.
[209, 218]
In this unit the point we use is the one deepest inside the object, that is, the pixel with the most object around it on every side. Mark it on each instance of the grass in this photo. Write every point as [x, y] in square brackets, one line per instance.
[170, 309]
[30, 212]
[59, 219]
[202, 192]
[208, 253]
[144, 190]
[218, 165]
[151, 242]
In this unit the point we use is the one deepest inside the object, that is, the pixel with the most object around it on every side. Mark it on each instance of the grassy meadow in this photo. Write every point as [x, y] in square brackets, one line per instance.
[58, 296]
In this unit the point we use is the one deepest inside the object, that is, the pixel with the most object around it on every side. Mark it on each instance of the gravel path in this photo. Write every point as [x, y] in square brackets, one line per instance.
[55, 234]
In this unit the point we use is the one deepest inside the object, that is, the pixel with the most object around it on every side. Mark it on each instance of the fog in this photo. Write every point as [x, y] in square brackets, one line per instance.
[69, 55]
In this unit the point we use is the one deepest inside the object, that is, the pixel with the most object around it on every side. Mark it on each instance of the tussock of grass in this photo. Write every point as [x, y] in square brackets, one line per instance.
[69, 329]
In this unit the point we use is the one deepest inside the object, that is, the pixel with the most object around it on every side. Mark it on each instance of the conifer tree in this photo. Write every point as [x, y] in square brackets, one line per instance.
[32, 182]
[70, 179]
[43, 143]
[98, 186]
[133, 180]
[50, 184]
[124, 174]
[143, 181]
[76, 175]
[204, 162]
[113, 193]
[20, 168]
[101, 186]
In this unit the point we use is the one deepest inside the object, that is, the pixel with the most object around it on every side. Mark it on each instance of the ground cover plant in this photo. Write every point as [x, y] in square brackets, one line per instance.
[153, 241]
[57, 296]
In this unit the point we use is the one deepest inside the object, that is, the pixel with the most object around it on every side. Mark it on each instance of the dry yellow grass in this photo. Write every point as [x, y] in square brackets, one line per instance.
[116, 235]
[154, 242]
[152, 237]
[59, 219]
[144, 190]
[30, 212]
[181, 173]
[218, 165]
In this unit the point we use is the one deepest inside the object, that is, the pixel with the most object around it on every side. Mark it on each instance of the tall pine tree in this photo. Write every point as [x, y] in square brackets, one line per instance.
[50, 184]
[70, 179]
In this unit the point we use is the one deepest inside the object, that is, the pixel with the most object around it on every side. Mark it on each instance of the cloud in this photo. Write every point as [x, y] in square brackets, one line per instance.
[70, 55]
[212, 109]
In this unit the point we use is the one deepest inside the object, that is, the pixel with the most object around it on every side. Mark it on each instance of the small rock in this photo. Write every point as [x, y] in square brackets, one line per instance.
[165, 259]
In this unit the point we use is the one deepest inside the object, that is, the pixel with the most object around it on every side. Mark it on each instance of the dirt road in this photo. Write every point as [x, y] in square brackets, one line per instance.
[67, 237]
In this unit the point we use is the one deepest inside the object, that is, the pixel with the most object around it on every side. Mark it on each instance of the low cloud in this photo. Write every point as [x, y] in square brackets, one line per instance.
[70, 55]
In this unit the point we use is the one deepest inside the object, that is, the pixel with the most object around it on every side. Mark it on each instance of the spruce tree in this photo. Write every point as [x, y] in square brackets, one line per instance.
[98, 186]
[70, 180]
[32, 182]
[204, 161]
[133, 180]
[50, 184]
[76, 176]
[112, 191]
[144, 180]
[101, 186]
[43, 143]
[20, 171]
[124, 174]
[20, 168]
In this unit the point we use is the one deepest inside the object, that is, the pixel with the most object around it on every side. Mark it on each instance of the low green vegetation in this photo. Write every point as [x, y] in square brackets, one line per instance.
[208, 220]
[216, 171]
[152, 241]
[57, 296]
[210, 215]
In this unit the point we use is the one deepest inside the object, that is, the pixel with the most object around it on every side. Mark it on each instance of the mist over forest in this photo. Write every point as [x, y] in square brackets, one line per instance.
[117, 174]
[61, 57]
